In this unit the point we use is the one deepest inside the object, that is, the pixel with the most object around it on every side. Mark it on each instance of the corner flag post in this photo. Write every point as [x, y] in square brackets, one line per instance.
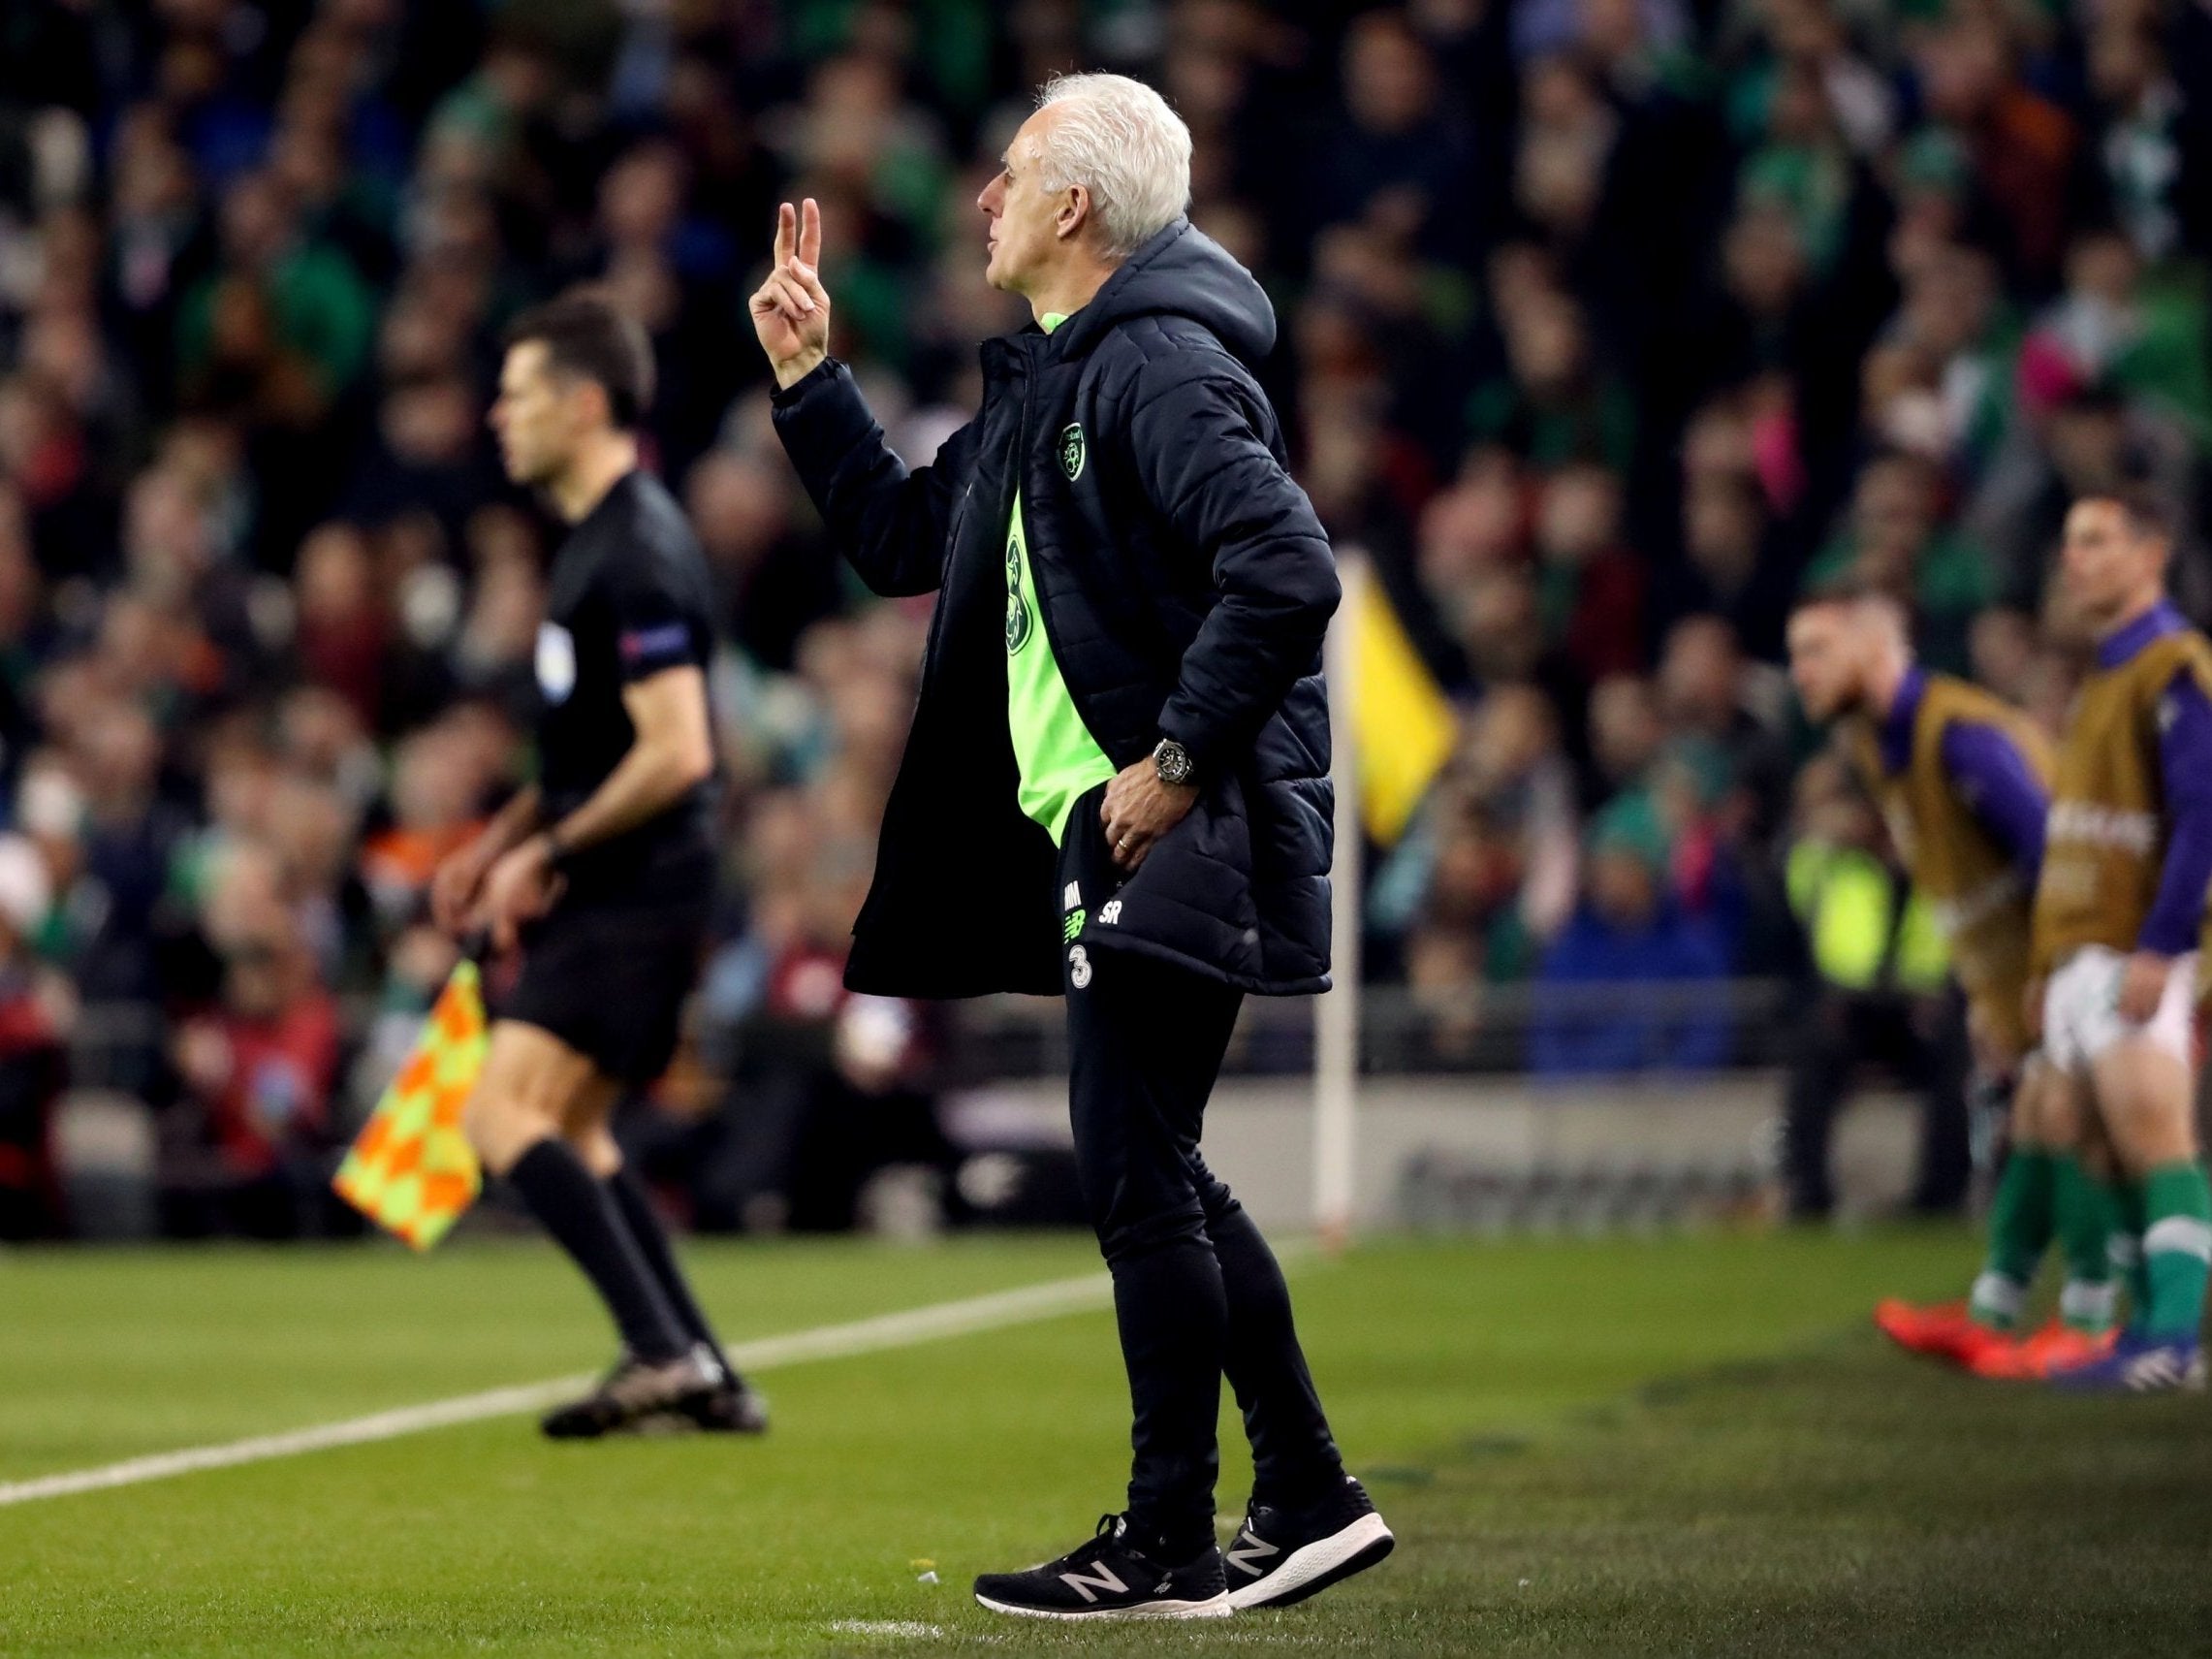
[1337, 1011]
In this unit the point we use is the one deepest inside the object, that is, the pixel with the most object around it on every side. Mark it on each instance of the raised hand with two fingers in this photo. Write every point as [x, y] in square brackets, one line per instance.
[791, 310]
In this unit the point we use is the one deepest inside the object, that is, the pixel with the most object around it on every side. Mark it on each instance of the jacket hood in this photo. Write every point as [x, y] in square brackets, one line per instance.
[1181, 272]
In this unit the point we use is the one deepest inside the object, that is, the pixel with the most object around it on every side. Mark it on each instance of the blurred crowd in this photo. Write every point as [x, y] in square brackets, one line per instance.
[1606, 326]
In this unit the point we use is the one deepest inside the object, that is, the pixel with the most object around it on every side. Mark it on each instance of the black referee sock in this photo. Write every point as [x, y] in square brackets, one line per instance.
[635, 1206]
[586, 1222]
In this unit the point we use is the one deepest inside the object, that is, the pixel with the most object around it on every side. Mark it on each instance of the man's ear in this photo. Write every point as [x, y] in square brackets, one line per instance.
[593, 405]
[1074, 212]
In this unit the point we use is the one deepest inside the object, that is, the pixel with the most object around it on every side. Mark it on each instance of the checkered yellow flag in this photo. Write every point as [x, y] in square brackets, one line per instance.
[411, 1170]
[1402, 726]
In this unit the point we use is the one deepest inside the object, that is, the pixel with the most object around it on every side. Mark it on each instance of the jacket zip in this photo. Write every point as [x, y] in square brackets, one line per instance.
[1044, 611]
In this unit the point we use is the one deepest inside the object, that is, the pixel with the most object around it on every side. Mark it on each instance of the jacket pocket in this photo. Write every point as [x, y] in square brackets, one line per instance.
[1193, 897]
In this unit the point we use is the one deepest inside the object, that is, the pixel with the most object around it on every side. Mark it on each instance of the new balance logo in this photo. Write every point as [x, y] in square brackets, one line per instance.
[1098, 1578]
[1248, 1551]
[2159, 1369]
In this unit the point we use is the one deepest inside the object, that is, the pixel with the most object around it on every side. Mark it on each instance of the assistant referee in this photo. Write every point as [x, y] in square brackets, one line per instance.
[602, 873]
[1117, 784]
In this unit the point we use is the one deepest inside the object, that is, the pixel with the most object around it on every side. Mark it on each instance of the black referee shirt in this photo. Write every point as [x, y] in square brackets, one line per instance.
[627, 597]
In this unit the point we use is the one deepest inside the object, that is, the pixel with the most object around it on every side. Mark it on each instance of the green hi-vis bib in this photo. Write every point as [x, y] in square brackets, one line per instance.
[1059, 758]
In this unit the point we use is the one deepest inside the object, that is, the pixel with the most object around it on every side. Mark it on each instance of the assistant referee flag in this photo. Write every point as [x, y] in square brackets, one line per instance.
[411, 1170]
[1402, 726]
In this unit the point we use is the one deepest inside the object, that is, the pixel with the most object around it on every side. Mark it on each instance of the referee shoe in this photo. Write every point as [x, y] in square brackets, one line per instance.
[634, 1391]
[1109, 1578]
[1281, 1556]
[732, 1406]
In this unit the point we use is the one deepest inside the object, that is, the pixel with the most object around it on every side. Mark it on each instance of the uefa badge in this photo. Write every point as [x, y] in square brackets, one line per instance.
[556, 662]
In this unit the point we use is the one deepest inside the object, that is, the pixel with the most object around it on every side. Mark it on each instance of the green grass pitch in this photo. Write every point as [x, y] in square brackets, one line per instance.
[1695, 1446]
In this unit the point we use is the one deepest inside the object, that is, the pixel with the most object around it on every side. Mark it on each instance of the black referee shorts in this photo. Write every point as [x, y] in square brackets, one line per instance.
[610, 981]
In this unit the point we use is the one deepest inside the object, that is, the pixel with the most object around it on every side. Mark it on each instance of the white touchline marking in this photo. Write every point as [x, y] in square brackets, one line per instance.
[902, 1330]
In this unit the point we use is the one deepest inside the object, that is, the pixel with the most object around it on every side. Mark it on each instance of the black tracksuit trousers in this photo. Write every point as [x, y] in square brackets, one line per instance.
[1197, 1293]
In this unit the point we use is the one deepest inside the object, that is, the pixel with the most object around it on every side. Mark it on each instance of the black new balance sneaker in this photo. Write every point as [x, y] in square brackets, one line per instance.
[631, 1393]
[1108, 1578]
[1281, 1556]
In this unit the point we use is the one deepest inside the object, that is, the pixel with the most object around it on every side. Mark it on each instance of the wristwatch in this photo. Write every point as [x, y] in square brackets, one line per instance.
[1173, 761]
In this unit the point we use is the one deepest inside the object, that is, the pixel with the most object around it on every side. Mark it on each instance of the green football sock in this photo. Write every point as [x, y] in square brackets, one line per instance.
[2087, 1217]
[2177, 1248]
[2020, 1215]
[2127, 1248]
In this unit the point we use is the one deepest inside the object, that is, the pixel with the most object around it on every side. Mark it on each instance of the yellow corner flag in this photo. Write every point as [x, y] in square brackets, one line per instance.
[411, 1170]
[1402, 726]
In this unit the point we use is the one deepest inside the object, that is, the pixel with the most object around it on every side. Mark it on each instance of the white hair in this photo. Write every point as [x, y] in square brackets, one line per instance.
[1119, 141]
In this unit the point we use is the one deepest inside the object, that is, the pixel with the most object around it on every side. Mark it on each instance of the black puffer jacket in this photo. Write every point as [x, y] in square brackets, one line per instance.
[1185, 584]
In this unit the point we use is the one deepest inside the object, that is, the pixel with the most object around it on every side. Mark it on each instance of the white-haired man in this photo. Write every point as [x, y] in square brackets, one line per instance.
[1117, 784]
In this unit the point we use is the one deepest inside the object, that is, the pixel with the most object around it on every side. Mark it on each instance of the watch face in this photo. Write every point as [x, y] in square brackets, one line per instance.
[1173, 762]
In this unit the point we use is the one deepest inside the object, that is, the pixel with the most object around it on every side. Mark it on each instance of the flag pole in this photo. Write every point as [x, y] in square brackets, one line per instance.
[1335, 1013]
